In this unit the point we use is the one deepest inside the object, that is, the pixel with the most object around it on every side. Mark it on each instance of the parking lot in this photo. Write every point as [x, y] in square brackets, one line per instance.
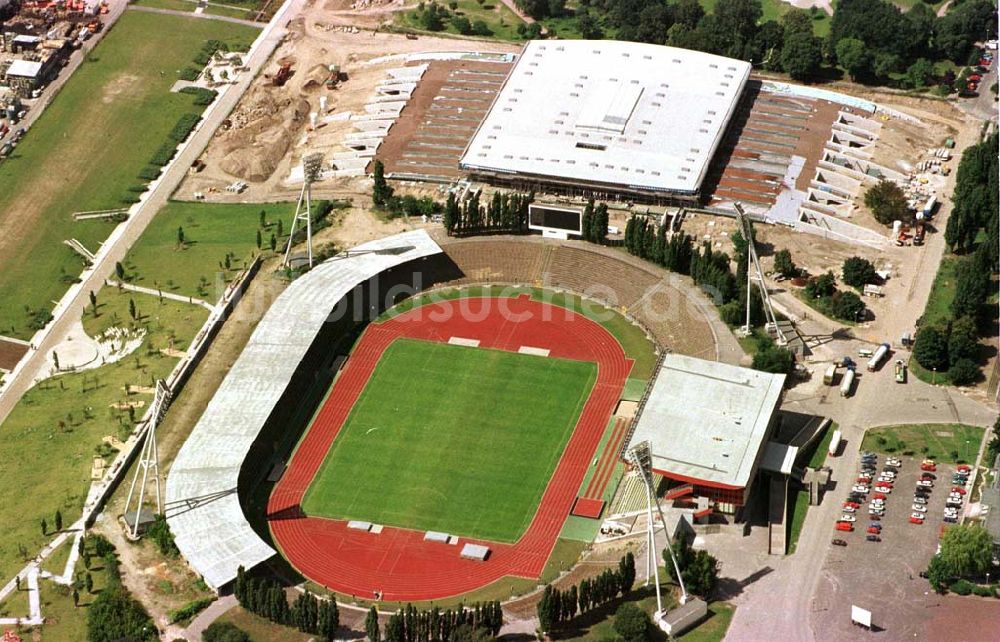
[884, 576]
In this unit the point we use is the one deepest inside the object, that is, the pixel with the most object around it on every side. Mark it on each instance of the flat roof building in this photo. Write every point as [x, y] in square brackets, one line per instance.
[609, 119]
[708, 425]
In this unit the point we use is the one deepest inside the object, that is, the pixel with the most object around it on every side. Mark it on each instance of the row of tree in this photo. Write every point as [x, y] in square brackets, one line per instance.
[595, 223]
[873, 40]
[560, 606]
[952, 345]
[505, 213]
[411, 625]
[266, 598]
[115, 615]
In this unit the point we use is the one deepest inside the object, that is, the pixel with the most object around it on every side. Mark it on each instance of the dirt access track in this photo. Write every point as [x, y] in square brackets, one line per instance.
[268, 132]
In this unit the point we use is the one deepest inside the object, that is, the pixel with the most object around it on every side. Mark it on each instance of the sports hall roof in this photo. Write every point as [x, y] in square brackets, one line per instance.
[708, 421]
[202, 506]
[641, 116]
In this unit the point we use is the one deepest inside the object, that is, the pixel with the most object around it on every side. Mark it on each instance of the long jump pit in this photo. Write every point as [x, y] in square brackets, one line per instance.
[406, 476]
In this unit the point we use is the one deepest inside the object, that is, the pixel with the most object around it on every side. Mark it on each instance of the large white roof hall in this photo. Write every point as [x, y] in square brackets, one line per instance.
[640, 116]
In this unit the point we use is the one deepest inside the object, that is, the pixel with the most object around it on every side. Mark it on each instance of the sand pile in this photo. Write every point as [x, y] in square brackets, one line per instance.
[260, 134]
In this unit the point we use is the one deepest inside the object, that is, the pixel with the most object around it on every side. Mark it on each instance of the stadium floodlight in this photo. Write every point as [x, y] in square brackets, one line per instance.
[312, 169]
[641, 457]
[148, 461]
[754, 271]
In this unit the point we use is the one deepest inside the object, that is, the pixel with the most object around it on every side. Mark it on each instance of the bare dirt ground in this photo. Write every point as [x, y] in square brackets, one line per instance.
[268, 132]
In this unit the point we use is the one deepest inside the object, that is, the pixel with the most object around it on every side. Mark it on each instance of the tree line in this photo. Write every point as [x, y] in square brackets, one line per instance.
[594, 223]
[505, 213]
[952, 345]
[873, 40]
[266, 598]
[114, 615]
[557, 607]
[412, 625]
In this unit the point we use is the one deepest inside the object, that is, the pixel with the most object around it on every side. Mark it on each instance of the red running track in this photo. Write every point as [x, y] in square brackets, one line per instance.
[398, 562]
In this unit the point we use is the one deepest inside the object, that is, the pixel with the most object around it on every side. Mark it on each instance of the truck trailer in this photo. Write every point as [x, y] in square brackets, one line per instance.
[880, 353]
[846, 383]
[834, 443]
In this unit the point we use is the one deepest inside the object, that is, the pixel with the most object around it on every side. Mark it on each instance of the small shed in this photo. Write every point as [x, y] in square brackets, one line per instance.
[146, 518]
[476, 552]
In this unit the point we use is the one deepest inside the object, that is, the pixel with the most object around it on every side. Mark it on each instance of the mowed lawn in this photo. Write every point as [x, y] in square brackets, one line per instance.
[211, 231]
[454, 439]
[87, 148]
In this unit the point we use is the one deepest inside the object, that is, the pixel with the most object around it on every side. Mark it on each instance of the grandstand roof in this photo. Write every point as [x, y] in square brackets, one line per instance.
[708, 421]
[202, 506]
[641, 116]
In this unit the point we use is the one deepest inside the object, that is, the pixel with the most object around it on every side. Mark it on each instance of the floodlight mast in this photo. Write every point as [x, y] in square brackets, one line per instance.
[754, 271]
[312, 167]
[148, 461]
[641, 457]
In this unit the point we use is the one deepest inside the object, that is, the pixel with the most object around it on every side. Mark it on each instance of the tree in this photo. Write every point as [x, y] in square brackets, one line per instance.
[966, 550]
[858, 272]
[273, 243]
[774, 359]
[371, 625]
[822, 286]
[801, 55]
[846, 305]
[120, 270]
[88, 582]
[394, 631]
[632, 623]
[260, 239]
[58, 520]
[262, 219]
[180, 237]
[589, 28]
[464, 27]
[45, 526]
[93, 302]
[699, 569]
[131, 309]
[76, 598]
[887, 201]
[381, 192]
[963, 372]
[930, 348]
[599, 230]
[972, 288]
[548, 608]
[784, 265]
[963, 340]
[919, 74]
[854, 57]
[626, 571]
[937, 574]
[224, 632]
[480, 28]
[114, 616]
[587, 221]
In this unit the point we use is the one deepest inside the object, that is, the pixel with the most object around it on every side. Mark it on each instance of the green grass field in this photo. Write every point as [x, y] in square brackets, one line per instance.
[453, 439]
[87, 149]
[502, 22]
[211, 231]
[936, 441]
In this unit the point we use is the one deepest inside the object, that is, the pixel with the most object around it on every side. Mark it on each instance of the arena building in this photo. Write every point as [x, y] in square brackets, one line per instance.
[710, 425]
[612, 120]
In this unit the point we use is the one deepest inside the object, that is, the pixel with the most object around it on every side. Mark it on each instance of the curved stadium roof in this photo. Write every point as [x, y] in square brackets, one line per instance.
[202, 505]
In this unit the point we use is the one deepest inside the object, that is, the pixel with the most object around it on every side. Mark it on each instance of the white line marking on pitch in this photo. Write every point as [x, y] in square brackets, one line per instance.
[538, 352]
[459, 341]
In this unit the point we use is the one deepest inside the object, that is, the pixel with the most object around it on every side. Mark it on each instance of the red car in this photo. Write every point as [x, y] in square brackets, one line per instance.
[928, 467]
[875, 530]
[975, 77]
[965, 468]
[959, 490]
[881, 496]
[914, 520]
[845, 526]
[856, 505]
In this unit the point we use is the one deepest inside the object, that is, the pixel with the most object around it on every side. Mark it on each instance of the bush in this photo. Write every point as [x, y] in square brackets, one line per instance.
[150, 173]
[184, 127]
[962, 587]
[188, 73]
[159, 533]
[190, 609]
[201, 95]
[964, 372]
[114, 615]
[224, 632]
[164, 154]
[858, 272]
[930, 348]
[846, 305]
[632, 623]
[784, 265]
[981, 591]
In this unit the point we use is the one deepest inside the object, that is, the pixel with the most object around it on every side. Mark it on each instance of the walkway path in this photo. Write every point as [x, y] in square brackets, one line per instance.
[196, 14]
[214, 611]
[160, 293]
[72, 305]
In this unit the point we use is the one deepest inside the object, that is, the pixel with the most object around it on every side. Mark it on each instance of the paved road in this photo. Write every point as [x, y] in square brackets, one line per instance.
[71, 307]
[779, 605]
[191, 14]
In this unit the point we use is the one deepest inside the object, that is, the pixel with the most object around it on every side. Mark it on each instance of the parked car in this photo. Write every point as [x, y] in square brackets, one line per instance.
[848, 518]
[849, 509]
[873, 538]
[950, 519]
[919, 508]
[925, 483]
[838, 542]
[872, 529]
[927, 476]
[918, 515]
[852, 504]
[919, 499]
[958, 490]
[879, 496]
[845, 526]
[858, 488]
[964, 468]
[916, 520]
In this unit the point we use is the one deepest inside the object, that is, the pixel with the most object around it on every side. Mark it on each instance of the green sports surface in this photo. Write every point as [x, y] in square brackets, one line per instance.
[453, 439]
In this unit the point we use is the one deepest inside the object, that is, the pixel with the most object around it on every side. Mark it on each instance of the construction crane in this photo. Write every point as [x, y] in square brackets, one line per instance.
[754, 272]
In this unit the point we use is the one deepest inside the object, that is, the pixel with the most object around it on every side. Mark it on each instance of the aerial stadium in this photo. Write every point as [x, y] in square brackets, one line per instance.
[419, 417]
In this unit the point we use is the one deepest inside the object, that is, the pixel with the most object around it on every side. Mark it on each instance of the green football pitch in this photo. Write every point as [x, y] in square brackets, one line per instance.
[454, 439]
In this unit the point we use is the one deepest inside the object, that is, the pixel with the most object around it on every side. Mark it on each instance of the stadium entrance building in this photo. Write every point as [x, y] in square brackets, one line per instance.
[608, 120]
[709, 426]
